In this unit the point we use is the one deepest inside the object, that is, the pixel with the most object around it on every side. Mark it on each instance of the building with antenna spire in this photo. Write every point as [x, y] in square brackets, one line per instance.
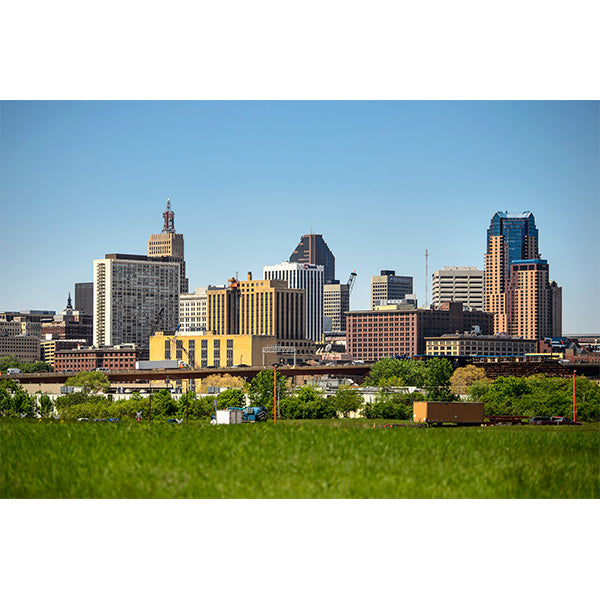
[168, 243]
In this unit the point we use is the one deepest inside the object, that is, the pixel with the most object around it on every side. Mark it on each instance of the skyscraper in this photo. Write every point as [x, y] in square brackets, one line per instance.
[313, 250]
[516, 281]
[310, 279]
[133, 297]
[336, 303]
[260, 308]
[84, 297]
[458, 284]
[388, 286]
[169, 244]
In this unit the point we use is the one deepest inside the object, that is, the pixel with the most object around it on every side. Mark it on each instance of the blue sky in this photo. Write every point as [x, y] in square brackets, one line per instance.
[382, 181]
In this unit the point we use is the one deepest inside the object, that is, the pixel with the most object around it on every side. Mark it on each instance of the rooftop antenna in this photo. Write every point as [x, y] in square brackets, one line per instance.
[169, 219]
[426, 274]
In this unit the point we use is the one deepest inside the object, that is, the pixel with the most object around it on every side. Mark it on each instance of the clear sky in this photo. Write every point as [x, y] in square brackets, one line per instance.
[381, 180]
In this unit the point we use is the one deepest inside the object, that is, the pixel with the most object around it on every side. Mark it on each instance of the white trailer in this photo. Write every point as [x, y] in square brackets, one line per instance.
[229, 417]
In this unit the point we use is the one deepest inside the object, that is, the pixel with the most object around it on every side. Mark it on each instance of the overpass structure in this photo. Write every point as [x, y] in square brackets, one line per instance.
[492, 369]
[351, 371]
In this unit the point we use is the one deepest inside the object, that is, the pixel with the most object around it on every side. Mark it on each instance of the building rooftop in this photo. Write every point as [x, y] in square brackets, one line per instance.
[509, 215]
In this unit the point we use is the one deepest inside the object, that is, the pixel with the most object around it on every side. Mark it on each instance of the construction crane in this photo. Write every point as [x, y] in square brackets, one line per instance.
[157, 321]
[350, 283]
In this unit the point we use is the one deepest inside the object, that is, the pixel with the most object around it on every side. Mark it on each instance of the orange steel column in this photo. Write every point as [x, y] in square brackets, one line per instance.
[574, 404]
[275, 394]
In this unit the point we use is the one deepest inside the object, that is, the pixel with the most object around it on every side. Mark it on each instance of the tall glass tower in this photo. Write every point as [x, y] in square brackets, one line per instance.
[516, 280]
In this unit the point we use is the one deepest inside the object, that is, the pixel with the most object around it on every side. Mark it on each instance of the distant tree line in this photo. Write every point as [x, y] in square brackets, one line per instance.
[535, 395]
[12, 362]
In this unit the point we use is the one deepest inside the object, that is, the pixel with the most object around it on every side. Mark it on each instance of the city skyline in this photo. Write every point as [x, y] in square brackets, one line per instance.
[381, 181]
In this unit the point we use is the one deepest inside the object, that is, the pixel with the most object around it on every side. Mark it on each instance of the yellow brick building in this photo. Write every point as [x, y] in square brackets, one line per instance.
[207, 350]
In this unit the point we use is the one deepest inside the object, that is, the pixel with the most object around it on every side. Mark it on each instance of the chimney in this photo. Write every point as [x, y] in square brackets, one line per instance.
[249, 276]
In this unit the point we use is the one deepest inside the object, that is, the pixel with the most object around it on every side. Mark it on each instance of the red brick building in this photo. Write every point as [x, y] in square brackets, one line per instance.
[117, 358]
[375, 334]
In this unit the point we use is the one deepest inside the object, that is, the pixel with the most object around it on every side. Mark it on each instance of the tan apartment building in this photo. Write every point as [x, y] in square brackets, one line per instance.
[18, 327]
[260, 307]
[474, 344]
[336, 303]
[51, 346]
[24, 348]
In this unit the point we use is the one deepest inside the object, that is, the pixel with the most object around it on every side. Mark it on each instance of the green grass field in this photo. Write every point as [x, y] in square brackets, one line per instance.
[327, 459]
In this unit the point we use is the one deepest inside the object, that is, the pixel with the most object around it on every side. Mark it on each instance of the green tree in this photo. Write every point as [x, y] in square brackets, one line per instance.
[262, 387]
[393, 372]
[385, 369]
[347, 400]
[231, 397]
[90, 381]
[15, 401]
[437, 379]
[7, 389]
[163, 405]
[308, 403]
[392, 405]
[12, 362]
[538, 395]
[464, 377]
[45, 405]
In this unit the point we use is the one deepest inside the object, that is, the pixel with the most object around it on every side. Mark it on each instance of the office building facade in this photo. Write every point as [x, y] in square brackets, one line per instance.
[336, 303]
[309, 278]
[388, 287]
[375, 334]
[475, 344]
[313, 250]
[192, 310]
[516, 279]
[84, 297]
[51, 346]
[260, 307]
[207, 350]
[25, 348]
[168, 243]
[134, 296]
[458, 284]
[117, 358]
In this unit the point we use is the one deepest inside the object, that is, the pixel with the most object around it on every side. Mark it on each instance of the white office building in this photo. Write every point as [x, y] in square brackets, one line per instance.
[305, 277]
[458, 284]
[193, 309]
[134, 296]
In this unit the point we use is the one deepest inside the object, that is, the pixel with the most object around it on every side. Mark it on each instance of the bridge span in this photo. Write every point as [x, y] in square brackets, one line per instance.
[351, 371]
[355, 372]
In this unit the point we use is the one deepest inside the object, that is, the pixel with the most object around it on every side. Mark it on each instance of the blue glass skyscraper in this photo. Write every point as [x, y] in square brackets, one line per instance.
[516, 280]
[520, 234]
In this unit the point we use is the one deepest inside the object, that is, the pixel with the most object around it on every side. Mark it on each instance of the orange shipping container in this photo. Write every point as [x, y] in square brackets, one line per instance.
[448, 412]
